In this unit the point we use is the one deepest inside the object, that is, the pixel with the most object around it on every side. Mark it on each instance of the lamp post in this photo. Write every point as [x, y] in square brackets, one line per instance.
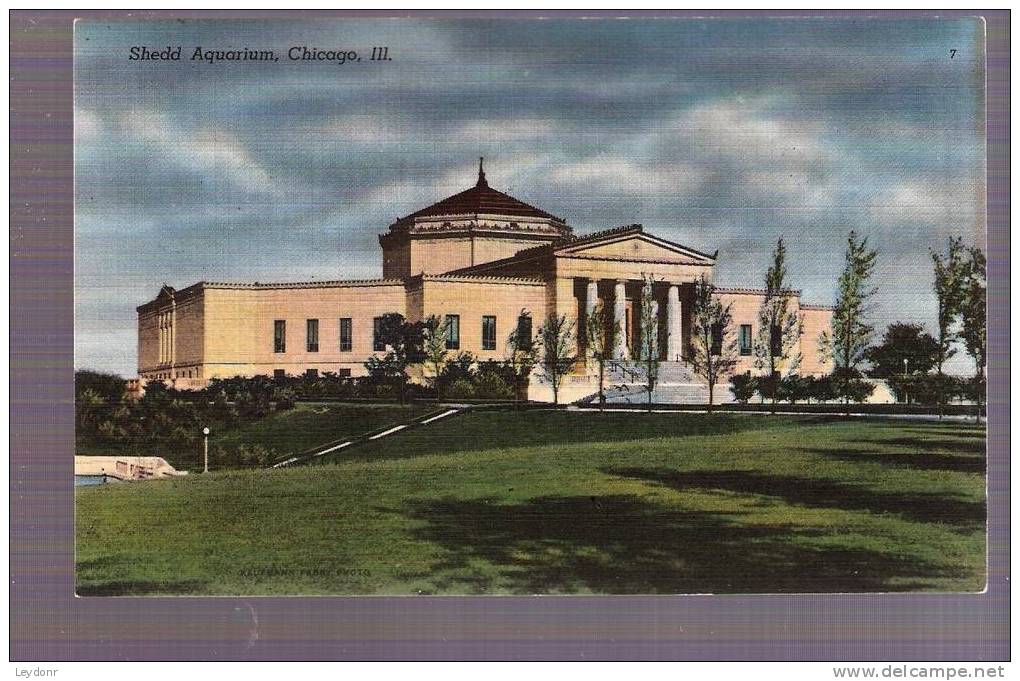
[906, 363]
[205, 447]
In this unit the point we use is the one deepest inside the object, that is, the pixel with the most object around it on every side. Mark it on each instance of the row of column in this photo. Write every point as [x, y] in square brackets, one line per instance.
[674, 317]
[166, 337]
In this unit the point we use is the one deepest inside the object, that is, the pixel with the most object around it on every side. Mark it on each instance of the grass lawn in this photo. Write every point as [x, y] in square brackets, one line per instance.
[565, 502]
[287, 432]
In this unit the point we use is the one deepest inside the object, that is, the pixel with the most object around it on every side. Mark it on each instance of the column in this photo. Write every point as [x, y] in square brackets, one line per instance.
[591, 296]
[674, 326]
[591, 300]
[620, 317]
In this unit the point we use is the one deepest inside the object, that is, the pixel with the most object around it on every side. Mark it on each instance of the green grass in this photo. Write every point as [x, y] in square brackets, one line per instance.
[288, 432]
[565, 502]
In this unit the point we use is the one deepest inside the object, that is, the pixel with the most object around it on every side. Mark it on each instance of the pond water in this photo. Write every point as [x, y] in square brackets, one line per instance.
[88, 480]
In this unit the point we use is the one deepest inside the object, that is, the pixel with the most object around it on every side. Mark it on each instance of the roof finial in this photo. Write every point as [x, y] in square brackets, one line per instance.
[481, 173]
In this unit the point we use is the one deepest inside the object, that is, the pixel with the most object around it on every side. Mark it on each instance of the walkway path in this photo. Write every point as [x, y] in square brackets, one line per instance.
[330, 447]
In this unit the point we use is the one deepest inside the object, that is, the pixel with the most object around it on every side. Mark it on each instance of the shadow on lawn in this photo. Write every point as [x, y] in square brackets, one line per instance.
[820, 493]
[622, 544]
[925, 459]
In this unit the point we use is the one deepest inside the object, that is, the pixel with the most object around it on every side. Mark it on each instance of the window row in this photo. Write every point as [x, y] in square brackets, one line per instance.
[346, 334]
[744, 339]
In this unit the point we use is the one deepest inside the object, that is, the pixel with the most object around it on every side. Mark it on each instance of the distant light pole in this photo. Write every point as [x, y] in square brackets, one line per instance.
[906, 363]
[205, 439]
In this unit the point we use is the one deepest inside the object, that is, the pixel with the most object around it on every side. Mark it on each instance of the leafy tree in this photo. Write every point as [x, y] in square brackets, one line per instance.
[973, 331]
[902, 342]
[647, 351]
[404, 346]
[90, 408]
[950, 276]
[108, 386]
[851, 333]
[775, 346]
[713, 346]
[557, 351]
[434, 348]
[521, 353]
[600, 330]
[743, 386]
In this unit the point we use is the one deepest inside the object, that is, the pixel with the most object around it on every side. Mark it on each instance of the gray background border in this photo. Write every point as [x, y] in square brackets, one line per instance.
[49, 623]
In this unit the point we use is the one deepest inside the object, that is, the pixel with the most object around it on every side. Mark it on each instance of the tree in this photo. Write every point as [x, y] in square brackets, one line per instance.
[949, 279]
[557, 351]
[521, 353]
[714, 351]
[647, 351]
[851, 333]
[775, 346]
[403, 341]
[600, 330]
[973, 318]
[434, 348]
[904, 348]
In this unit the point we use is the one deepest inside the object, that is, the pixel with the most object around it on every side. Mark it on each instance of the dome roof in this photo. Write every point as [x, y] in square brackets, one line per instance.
[481, 199]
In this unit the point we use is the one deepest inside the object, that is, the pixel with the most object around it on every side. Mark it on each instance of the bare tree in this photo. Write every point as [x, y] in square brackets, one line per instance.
[600, 330]
[714, 346]
[557, 351]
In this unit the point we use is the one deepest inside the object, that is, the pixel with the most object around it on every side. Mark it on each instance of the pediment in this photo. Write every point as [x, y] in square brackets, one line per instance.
[637, 247]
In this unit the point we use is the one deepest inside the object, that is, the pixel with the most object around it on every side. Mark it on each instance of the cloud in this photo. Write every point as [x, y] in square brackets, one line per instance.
[211, 152]
[717, 134]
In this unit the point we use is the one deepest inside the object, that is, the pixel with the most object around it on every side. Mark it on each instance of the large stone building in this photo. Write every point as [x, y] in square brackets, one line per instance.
[480, 259]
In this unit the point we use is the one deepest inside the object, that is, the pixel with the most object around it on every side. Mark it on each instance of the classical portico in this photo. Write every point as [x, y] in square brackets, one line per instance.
[622, 297]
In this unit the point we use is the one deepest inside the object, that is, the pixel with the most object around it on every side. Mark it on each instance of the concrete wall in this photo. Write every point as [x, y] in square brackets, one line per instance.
[240, 323]
[745, 305]
[474, 299]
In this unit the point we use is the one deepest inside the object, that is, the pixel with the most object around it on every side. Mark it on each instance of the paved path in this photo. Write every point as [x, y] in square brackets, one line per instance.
[329, 447]
[958, 418]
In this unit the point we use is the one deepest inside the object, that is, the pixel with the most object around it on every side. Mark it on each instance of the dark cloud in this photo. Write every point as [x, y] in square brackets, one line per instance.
[720, 134]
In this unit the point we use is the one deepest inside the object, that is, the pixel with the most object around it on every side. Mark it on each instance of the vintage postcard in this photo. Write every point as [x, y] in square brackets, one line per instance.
[559, 306]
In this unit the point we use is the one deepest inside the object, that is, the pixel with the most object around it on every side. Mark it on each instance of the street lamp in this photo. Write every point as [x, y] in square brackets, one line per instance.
[205, 432]
[906, 363]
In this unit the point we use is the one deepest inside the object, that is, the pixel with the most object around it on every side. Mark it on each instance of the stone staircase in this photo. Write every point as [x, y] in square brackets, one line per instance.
[676, 385]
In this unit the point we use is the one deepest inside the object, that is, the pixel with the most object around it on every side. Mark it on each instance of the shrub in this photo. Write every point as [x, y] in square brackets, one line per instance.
[492, 386]
[793, 388]
[743, 387]
[462, 389]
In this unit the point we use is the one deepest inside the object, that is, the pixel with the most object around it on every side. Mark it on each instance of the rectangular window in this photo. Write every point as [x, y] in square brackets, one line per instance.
[488, 332]
[311, 373]
[745, 339]
[345, 373]
[453, 332]
[279, 336]
[279, 374]
[312, 344]
[717, 339]
[346, 338]
[524, 332]
[377, 341]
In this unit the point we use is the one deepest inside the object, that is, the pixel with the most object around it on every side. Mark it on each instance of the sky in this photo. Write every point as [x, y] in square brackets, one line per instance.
[717, 134]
